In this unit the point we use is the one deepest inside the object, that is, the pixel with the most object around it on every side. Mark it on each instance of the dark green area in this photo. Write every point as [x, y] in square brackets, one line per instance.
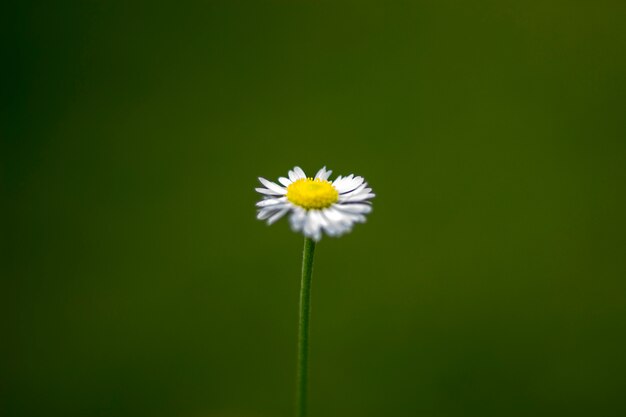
[490, 280]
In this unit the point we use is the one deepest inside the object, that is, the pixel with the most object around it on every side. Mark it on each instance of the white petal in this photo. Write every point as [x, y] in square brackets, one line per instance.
[349, 185]
[340, 181]
[272, 186]
[312, 226]
[348, 216]
[271, 201]
[299, 172]
[335, 215]
[355, 190]
[352, 217]
[356, 197]
[292, 176]
[332, 228]
[285, 181]
[357, 208]
[268, 192]
[278, 215]
[321, 220]
[323, 174]
[265, 213]
[339, 222]
[297, 218]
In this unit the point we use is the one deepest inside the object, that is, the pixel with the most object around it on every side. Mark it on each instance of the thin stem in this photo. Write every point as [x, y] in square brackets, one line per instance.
[303, 331]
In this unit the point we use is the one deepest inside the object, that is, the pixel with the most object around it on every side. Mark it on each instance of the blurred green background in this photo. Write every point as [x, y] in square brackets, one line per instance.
[490, 280]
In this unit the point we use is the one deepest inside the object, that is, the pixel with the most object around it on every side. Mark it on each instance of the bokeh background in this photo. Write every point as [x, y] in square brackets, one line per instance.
[490, 280]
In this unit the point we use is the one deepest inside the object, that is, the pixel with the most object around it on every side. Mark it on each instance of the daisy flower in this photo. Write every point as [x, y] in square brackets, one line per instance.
[316, 204]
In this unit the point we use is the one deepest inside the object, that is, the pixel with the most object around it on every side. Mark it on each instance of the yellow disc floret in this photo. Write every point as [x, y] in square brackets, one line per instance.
[311, 193]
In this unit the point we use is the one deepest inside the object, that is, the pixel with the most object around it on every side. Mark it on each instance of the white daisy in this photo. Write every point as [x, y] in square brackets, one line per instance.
[316, 204]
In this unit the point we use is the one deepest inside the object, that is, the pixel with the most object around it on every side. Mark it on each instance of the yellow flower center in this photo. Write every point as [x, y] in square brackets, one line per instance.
[311, 193]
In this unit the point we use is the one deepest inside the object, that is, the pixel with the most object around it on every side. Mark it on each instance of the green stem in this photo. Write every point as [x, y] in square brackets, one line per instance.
[303, 331]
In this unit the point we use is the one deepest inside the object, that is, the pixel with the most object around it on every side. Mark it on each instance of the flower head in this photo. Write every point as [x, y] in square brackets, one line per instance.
[316, 204]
